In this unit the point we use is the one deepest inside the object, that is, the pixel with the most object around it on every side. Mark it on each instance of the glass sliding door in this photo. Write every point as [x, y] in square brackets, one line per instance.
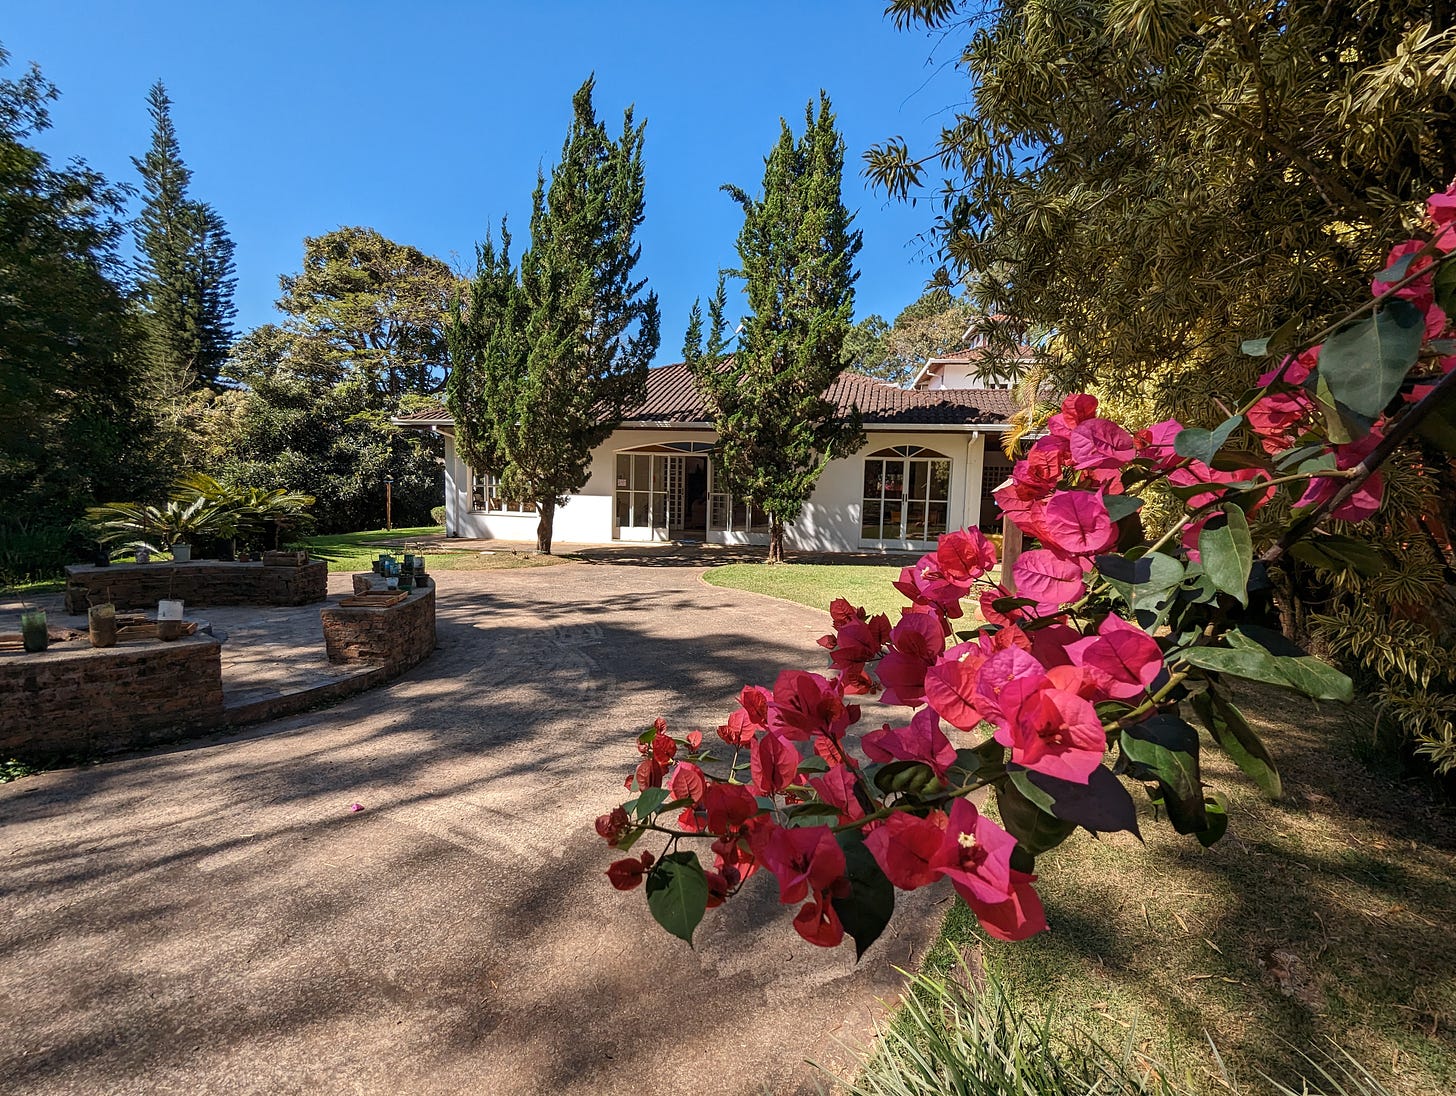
[906, 495]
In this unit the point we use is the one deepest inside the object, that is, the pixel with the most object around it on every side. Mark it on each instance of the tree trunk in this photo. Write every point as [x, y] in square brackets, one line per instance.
[547, 510]
[775, 540]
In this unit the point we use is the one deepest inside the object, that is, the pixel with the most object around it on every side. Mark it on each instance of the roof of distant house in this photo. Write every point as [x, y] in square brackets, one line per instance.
[966, 354]
[673, 398]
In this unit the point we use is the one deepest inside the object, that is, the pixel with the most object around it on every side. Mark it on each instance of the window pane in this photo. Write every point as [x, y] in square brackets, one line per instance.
[919, 478]
[659, 508]
[624, 508]
[873, 472]
[740, 514]
[939, 480]
[870, 527]
[718, 511]
[894, 478]
[936, 520]
[624, 470]
[757, 520]
[642, 468]
[915, 522]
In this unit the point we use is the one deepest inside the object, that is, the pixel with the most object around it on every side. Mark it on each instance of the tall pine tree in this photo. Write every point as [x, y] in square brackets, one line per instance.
[185, 260]
[546, 363]
[776, 431]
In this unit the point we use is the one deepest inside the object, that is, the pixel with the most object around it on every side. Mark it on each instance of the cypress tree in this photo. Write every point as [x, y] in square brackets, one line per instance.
[540, 379]
[184, 260]
[776, 431]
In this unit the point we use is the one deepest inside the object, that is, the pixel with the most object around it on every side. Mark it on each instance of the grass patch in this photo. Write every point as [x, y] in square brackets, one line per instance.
[346, 552]
[1324, 916]
[816, 584]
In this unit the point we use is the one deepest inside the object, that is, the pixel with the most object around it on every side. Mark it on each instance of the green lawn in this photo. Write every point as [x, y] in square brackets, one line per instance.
[816, 584]
[348, 552]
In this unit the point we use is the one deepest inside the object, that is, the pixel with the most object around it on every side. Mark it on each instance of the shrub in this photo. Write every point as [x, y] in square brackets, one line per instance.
[437, 515]
[32, 550]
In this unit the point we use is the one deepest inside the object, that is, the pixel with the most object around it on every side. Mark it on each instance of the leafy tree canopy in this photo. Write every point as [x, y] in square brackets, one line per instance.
[372, 306]
[776, 431]
[1160, 182]
[546, 360]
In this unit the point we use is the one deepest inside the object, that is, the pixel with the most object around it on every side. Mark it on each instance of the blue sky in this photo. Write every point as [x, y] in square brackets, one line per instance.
[428, 120]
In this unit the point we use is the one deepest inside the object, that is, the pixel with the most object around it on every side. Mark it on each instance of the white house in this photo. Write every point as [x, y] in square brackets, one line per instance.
[929, 463]
[968, 368]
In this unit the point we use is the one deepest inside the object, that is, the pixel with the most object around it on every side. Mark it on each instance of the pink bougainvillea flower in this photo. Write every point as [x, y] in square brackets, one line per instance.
[1075, 410]
[818, 923]
[975, 855]
[1155, 444]
[806, 704]
[629, 873]
[1102, 444]
[951, 684]
[750, 717]
[1279, 418]
[1127, 655]
[355, 807]
[922, 741]
[687, 782]
[802, 859]
[915, 643]
[837, 788]
[1048, 579]
[1051, 730]
[612, 826]
[773, 763]
[926, 584]
[965, 555]
[998, 671]
[1076, 523]
[1293, 371]
[904, 846]
[728, 806]
[989, 612]
[1441, 208]
[1038, 474]
[1019, 917]
[841, 612]
[1366, 499]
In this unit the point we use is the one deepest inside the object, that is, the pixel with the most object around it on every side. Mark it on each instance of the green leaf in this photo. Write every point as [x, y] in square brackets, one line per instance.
[1165, 749]
[867, 909]
[813, 814]
[1338, 553]
[1121, 506]
[1249, 659]
[1035, 830]
[1232, 732]
[1364, 363]
[1440, 425]
[1336, 428]
[677, 893]
[649, 801]
[1443, 283]
[1255, 348]
[1101, 805]
[1201, 444]
[1227, 553]
[1215, 808]
[1396, 270]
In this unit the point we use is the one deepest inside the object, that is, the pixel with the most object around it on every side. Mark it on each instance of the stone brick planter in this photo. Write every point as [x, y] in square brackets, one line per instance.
[75, 700]
[200, 582]
[395, 637]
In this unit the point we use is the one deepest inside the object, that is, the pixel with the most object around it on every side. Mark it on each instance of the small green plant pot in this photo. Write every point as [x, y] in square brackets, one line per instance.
[33, 634]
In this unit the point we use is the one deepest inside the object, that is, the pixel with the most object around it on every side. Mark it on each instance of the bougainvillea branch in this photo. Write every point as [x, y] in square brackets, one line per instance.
[1048, 703]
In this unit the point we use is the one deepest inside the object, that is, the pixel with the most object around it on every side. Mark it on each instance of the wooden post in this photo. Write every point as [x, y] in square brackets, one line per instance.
[389, 502]
[1010, 550]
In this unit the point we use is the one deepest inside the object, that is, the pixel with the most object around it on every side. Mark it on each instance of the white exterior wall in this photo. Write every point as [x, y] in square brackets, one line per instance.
[830, 521]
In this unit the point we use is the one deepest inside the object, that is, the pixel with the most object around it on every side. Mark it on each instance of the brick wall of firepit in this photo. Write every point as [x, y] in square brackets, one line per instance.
[74, 700]
[201, 582]
[396, 637]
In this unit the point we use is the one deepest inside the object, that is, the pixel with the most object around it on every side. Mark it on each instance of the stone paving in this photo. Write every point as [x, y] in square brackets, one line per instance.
[267, 651]
[215, 918]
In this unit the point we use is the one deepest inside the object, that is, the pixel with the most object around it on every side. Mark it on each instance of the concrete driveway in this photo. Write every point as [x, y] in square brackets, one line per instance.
[214, 919]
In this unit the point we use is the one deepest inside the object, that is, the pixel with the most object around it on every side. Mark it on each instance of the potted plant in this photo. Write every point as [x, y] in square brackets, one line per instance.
[34, 635]
[101, 620]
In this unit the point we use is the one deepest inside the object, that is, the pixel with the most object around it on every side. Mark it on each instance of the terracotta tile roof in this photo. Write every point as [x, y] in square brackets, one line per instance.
[673, 397]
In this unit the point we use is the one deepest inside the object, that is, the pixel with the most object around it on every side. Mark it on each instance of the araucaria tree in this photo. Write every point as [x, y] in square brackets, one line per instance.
[185, 261]
[776, 429]
[547, 360]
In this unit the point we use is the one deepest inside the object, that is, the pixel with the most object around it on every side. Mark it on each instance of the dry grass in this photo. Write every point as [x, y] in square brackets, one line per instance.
[1329, 913]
